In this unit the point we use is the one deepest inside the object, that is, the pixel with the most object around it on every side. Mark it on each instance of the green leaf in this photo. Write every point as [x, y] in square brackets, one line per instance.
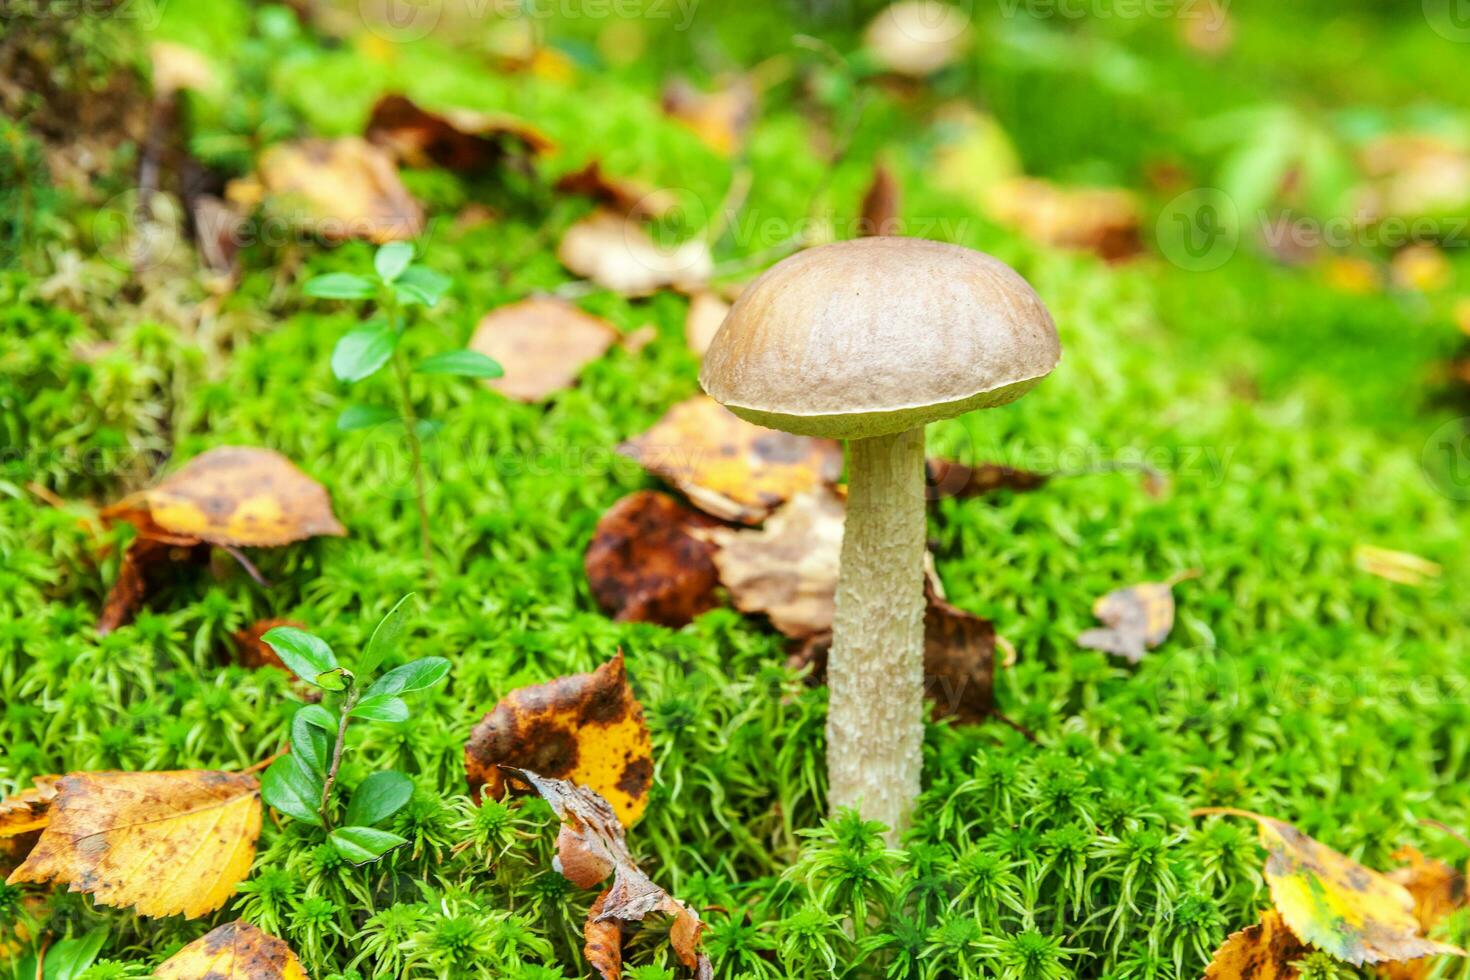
[414, 676]
[309, 742]
[316, 715]
[378, 797]
[288, 787]
[308, 656]
[336, 680]
[69, 958]
[461, 363]
[421, 285]
[360, 353]
[385, 636]
[340, 285]
[392, 259]
[355, 417]
[362, 845]
[381, 707]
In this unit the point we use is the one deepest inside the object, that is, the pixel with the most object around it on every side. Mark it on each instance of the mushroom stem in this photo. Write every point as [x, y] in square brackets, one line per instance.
[875, 723]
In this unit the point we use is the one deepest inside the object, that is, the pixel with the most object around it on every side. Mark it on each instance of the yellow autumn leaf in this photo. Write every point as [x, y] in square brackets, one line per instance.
[1264, 951]
[28, 810]
[234, 951]
[168, 843]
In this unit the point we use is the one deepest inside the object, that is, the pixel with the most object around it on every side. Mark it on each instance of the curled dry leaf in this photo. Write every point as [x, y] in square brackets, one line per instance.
[542, 343]
[1138, 618]
[337, 189]
[731, 468]
[143, 564]
[29, 810]
[1101, 220]
[623, 195]
[167, 843]
[1334, 903]
[456, 139]
[585, 727]
[720, 118]
[947, 478]
[645, 566]
[1264, 951]
[1437, 890]
[234, 951]
[590, 846]
[917, 37]
[233, 495]
[881, 204]
[617, 253]
[603, 940]
[707, 312]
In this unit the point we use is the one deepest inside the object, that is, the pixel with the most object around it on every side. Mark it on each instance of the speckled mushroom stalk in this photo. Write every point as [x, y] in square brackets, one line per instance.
[869, 341]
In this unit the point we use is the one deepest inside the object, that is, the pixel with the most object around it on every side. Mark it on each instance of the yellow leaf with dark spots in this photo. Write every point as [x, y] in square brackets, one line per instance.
[586, 728]
[29, 809]
[168, 843]
[235, 951]
[1264, 951]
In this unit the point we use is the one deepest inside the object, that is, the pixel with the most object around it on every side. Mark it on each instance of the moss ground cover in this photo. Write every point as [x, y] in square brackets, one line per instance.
[1291, 417]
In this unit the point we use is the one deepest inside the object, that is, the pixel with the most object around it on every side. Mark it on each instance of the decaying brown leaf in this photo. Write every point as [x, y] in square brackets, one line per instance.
[1101, 220]
[1437, 889]
[645, 566]
[167, 843]
[720, 118]
[143, 563]
[603, 940]
[456, 139]
[337, 189]
[1264, 951]
[233, 495]
[730, 468]
[588, 728]
[917, 37]
[590, 847]
[707, 311]
[881, 205]
[623, 195]
[1138, 618]
[617, 253]
[948, 478]
[29, 810]
[234, 951]
[1327, 899]
[542, 343]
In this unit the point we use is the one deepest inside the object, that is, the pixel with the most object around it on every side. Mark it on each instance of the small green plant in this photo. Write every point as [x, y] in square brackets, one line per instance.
[397, 288]
[300, 783]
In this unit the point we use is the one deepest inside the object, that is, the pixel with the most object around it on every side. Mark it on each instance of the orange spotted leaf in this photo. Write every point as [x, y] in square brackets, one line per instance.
[645, 566]
[234, 951]
[29, 810]
[587, 728]
[603, 941]
[1264, 951]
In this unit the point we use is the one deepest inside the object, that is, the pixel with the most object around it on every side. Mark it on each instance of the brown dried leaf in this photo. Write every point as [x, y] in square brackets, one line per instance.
[30, 809]
[948, 478]
[720, 118]
[591, 845]
[617, 253]
[233, 495]
[234, 951]
[1138, 618]
[456, 139]
[168, 843]
[1437, 889]
[707, 311]
[645, 566]
[604, 940]
[881, 205]
[1264, 951]
[143, 563]
[542, 343]
[588, 728]
[625, 196]
[337, 189]
[1101, 220]
[731, 468]
[959, 661]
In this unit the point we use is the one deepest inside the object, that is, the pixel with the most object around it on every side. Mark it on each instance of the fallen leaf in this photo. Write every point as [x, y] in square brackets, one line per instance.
[603, 945]
[1138, 618]
[176, 67]
[1412, 175]
[959, 661]
[588, 728]
[974, 154]
[1101, 220]
[1333, 903]
[948, 478]
[917, 37]
[787, 569]
[337, 189]
[617, 253]
[623, 195]
[881, 204]
[233, 495]
[1396, 566]
[728, 467]
[1264, 951]
[645, 566]
[253, 652]
[1437, 888]
[720, 118]
[457, 139]
[28, 810]
[591, 845]
[167, 843]
[142, 565]
[542, 343]
[635, 340]
[234, 951]
[707, 312]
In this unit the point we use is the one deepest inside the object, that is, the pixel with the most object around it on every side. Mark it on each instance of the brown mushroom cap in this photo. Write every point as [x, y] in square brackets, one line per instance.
[878, 335]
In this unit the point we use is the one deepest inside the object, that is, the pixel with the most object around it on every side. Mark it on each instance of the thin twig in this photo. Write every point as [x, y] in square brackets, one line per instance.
[347, 705]
[246, 564]
[265, 763]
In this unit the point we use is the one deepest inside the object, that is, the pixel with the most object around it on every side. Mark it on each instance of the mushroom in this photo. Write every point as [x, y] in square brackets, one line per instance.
[869, 341]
